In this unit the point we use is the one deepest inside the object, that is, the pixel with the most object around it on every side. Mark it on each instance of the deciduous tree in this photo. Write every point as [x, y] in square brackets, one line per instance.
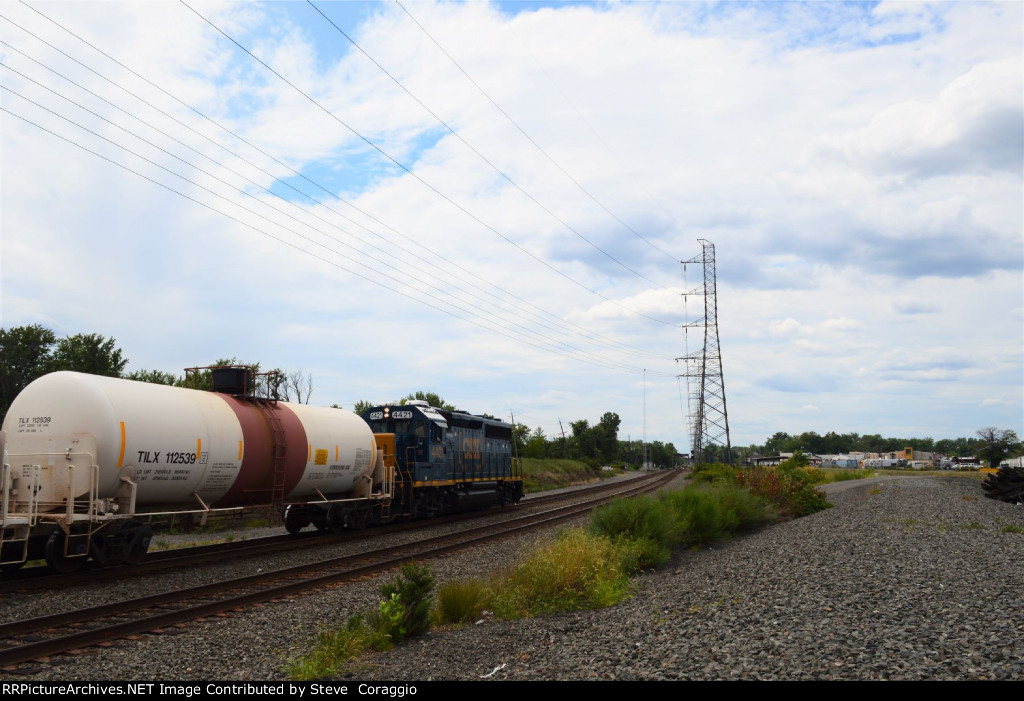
[997, 444]
[24, 356]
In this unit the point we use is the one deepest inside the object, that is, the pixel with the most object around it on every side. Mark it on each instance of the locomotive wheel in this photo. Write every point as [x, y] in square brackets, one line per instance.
[293, 522]
[55, 557]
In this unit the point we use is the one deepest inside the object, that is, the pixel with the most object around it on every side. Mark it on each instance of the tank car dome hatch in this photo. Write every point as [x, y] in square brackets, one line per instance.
[231, 380]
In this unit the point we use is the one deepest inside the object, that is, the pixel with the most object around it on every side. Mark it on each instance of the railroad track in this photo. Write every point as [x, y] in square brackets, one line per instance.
[36, 638]
[43, 576]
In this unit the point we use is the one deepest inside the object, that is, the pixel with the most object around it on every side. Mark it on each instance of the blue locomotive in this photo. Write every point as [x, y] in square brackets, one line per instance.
[447, 461]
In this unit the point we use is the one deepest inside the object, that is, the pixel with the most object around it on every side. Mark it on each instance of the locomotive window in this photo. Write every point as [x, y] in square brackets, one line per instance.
[401, 426]
[421, 430]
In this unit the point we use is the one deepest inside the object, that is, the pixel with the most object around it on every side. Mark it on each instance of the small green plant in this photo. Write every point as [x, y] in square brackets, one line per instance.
[411, 590]
[333, 649]
[387, 623]
[1011, 528]
[974, 525]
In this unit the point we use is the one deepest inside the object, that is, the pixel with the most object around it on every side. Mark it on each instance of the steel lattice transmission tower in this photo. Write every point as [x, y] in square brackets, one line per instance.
[703, 368]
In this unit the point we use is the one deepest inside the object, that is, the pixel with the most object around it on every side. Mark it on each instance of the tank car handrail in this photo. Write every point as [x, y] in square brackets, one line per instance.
[61, 453]
[5, 493]
[379, 495]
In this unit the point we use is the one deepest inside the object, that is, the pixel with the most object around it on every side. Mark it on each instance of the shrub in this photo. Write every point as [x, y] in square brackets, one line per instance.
[636, 555]
[639, 518]
[785, 489]
[702, 511]
[409, 595]
[750, 510]
[719, 473]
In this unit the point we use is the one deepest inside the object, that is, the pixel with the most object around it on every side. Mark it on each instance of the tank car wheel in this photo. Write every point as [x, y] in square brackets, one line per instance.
[293, 522]
[336, 518]
[99, 553]
[138, 536]
[359, 519]
[55, 557]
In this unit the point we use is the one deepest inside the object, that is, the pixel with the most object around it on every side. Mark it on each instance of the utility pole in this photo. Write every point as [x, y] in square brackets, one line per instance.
[703, 369]
[645, 419]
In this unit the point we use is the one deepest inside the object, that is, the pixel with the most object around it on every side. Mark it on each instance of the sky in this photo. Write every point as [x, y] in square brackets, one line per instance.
[492, 201]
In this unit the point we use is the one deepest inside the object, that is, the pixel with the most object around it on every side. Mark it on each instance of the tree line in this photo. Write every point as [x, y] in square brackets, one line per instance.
[596, 444]
[29, 352]
[991, 444]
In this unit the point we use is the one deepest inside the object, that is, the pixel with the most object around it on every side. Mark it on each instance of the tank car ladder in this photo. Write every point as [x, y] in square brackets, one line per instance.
[15, 527]
[278, 452]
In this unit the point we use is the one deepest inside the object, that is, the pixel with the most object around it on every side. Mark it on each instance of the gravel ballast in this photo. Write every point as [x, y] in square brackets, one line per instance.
[911, 578]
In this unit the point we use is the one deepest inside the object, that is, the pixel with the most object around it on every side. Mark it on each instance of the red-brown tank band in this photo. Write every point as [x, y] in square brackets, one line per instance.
[256, 477]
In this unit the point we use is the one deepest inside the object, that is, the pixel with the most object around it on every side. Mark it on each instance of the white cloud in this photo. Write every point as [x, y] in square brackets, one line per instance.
[842, 158]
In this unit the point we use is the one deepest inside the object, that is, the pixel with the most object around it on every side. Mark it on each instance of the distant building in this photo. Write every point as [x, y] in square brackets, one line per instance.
[768, 460]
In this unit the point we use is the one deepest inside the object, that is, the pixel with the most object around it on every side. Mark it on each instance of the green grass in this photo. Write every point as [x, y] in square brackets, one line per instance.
[540, 475]
[1011, 528]
[579, 570]
[461, 602]
[826, 475]
[333, 649]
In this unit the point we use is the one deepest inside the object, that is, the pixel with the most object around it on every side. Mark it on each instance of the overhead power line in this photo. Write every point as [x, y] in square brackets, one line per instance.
[540, 340]
[419, 178]
[523, 305]
[482, 157]
[531, 139]
[608, 364]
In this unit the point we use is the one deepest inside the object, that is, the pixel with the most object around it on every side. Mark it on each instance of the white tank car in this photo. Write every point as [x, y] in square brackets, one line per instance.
[84, 449]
